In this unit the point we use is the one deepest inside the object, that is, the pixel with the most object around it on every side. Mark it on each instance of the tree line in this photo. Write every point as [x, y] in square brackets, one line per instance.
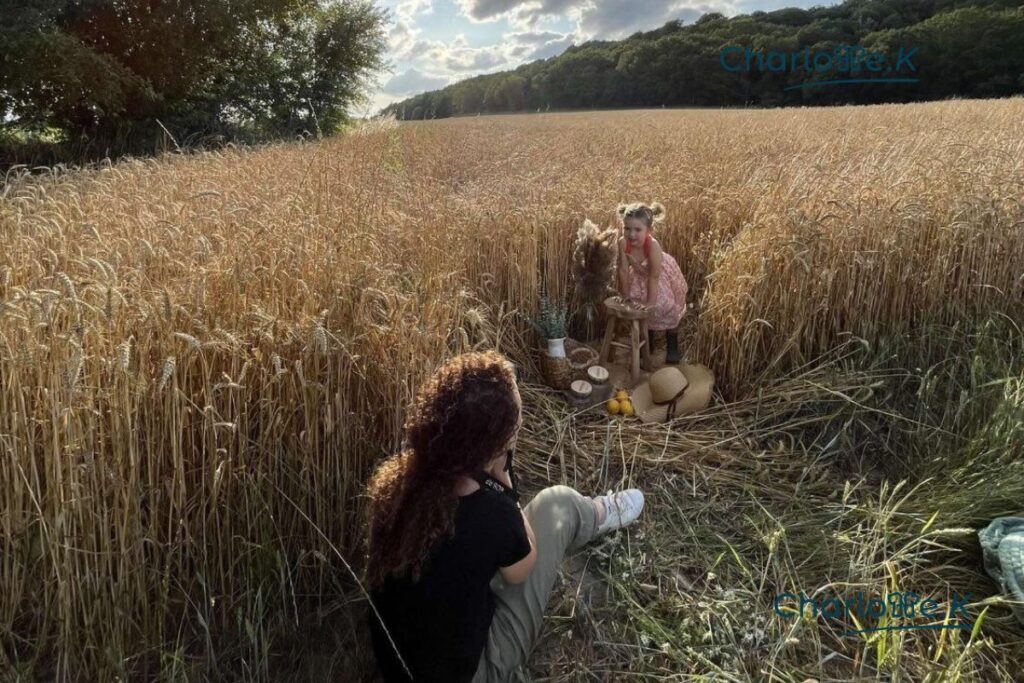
[972, 48]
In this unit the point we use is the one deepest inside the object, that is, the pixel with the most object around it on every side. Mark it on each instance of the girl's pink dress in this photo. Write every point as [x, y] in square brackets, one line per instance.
[670, 301]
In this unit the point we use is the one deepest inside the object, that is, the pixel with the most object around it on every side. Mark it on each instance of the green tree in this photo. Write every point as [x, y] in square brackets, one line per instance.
[106, 69]
[513, 92]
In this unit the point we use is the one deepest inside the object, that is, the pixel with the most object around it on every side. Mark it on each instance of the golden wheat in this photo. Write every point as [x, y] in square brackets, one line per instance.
[797, 229]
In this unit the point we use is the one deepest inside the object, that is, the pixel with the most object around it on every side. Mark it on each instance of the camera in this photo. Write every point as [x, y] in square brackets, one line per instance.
[511, 470]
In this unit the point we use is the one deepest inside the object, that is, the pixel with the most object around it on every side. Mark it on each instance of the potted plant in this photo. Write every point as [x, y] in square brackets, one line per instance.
[550, 325]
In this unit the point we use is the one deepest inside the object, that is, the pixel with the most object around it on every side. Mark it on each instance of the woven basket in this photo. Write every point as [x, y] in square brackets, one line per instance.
[557, 372]
[580, 358]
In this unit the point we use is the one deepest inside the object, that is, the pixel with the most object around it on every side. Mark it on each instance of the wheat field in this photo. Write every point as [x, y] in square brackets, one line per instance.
[202, 356]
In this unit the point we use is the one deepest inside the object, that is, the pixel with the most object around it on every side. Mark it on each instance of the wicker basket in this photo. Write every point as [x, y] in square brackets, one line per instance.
[580, 358]
[557, 372]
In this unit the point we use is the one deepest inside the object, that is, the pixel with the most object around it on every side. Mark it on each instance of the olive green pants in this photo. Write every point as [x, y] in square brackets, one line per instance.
[563, 520]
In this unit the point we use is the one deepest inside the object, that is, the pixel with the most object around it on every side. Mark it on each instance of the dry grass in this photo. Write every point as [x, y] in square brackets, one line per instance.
[202, 356]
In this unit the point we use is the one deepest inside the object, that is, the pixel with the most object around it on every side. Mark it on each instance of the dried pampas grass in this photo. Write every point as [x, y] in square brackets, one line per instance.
[593, 261]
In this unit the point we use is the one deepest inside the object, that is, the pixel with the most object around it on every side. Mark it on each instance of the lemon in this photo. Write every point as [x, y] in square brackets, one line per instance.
[627, 408]
[613, 406]
[621, 395]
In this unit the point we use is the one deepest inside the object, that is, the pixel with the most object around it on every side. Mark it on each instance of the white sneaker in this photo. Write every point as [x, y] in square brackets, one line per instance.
[620, 509]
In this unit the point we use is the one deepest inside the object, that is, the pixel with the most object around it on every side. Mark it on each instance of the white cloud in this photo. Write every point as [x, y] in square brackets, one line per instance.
[402, 37]
[486, 10]
[552, 48]
[533, 37]
[490, 10]
[410, 8]
[456, 57]
[411, 82]
[614, 19]
[404, 31]
[536, 15]
[601, 19]
[531, 45]
[524, 17]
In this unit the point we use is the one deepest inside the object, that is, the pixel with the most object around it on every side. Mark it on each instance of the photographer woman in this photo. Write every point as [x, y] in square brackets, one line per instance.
[458, 572]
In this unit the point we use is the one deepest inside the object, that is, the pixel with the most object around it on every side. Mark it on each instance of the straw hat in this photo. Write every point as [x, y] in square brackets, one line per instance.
[673, 391]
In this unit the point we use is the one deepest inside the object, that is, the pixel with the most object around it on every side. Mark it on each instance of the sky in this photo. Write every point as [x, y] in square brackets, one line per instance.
[433, 43]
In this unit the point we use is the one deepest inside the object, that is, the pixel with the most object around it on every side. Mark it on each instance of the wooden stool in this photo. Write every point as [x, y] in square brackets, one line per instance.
[617, 310]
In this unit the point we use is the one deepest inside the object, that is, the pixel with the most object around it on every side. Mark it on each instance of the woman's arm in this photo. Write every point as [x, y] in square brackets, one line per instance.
[520, 571]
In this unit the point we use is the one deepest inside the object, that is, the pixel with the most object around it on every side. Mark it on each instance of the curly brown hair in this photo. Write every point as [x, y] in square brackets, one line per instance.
[461, 419]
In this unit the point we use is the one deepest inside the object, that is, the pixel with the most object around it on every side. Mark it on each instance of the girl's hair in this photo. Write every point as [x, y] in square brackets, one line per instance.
[460, 420]
[651, 213]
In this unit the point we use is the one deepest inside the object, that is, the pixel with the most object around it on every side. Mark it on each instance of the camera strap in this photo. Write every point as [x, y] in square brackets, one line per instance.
[487, 481]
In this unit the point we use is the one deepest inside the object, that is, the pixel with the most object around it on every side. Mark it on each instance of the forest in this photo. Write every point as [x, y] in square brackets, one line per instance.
[972, 48]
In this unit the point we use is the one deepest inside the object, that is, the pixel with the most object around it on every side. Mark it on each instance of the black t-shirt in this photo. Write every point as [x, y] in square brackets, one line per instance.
[440, 623]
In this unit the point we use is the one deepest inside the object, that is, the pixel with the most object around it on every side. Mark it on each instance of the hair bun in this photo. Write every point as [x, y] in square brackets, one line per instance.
[657, 211]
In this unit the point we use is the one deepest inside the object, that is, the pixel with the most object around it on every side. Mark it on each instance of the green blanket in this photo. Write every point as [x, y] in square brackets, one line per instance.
[1002, 542]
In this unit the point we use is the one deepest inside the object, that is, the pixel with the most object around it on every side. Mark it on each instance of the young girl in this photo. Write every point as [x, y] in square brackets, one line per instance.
[651, 278]
[458, 572]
